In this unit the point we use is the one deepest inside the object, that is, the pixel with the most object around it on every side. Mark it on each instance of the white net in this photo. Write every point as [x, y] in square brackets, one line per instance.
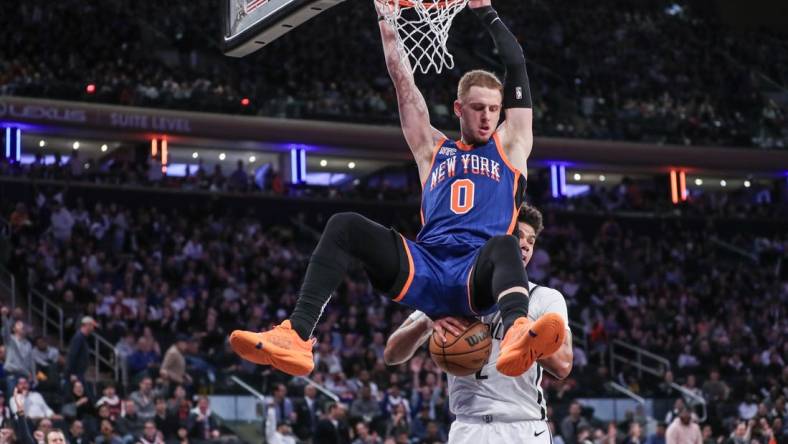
[423, 30]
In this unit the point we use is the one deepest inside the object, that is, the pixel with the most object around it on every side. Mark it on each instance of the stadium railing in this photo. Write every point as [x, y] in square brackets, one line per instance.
[627, 392]
[639, 358]
[320, 388]
[695, 400]
[49, 313]
[579, 335]
[105, 356]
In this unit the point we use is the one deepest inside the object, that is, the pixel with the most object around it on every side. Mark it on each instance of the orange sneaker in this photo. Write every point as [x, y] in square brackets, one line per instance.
[280, 347]
[526, 341]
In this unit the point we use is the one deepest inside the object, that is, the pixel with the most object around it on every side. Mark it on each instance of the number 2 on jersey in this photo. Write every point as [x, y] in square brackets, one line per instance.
[462, 192]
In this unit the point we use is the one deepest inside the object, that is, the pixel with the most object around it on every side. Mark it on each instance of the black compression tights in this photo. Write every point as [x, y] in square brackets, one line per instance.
[498, 268]
[346, 236]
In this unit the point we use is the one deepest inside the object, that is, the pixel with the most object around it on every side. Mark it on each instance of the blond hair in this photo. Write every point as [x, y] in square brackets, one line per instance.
[477, 77]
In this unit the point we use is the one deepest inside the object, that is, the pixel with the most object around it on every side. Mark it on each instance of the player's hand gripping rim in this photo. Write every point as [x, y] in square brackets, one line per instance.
[473, 4]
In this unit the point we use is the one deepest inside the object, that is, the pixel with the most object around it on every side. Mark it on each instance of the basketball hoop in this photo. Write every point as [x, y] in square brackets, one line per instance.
[423, 30]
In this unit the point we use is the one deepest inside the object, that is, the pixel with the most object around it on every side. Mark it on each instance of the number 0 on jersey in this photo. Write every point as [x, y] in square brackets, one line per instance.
[462, 192]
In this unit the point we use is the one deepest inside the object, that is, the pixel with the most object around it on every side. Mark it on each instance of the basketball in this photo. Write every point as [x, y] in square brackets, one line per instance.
[465, 354]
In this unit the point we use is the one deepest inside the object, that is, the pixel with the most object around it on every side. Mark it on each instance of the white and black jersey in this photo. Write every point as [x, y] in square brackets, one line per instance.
[505, 398]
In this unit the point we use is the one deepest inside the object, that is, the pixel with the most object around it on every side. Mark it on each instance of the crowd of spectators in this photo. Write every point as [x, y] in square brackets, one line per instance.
[657, 71]
[166, 287]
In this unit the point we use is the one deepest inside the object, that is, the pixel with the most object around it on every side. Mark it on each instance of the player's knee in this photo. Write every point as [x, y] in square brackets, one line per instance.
[342, 223]
[504, 243]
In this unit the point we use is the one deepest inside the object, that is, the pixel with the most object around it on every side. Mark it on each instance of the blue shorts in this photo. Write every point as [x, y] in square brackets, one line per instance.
[436, 279]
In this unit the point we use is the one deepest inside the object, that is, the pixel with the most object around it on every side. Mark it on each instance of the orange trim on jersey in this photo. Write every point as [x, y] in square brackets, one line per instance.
[501, 153]
[411, 271]
[462, 146]
[515, 210]
[468, 291]
[435, 150]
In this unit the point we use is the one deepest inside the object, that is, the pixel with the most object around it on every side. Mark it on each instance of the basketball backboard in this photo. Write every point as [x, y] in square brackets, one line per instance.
[251, 24]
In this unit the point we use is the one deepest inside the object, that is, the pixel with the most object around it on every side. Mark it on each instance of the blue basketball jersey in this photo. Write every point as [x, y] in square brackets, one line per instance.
[470, 195]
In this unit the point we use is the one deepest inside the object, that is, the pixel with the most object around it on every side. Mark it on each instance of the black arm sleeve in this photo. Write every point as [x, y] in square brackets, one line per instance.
[516, 90]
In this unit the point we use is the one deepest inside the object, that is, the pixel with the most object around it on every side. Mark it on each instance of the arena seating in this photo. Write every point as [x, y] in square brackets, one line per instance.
[150, 274]
[168, 265]
[648, 71]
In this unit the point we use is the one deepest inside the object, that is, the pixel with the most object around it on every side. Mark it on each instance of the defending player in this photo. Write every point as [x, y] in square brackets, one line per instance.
[491, 407]
[465, 260]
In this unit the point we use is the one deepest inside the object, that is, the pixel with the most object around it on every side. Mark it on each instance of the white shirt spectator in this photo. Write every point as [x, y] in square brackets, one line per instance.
[35, 406]
[330, 359]
[107, 302]
[45, 357]
[687, 359]
[62, 223]
[679, 433]
[193, 249]
[272, 436]
[747, 410]
[99, 227]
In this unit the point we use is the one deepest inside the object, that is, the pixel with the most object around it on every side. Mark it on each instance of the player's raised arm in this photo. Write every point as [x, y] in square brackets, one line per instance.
[559, 364]
[516, 132]
[413, 113]
[403, 343]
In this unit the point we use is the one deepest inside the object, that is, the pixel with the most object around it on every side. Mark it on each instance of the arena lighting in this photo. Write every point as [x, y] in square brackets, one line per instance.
[683, 185]
[698, 182]
[75, 145]
[42, 143]
[554, 181]
[252, 159]
[245, 101]
[104, 148]
[602, 178]
[154, 147]
[164, 156]
[577, 176]
[302, 154]
[747, 184]
[723, 183]
[195, 155]
[674, 189]
[351, 165]
[222, 156]
[18, 156]
[323, 162]
[13, 144]
[293, 165]
[91, 88]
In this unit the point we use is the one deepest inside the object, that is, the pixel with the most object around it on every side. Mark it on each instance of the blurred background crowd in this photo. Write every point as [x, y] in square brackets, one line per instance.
[160, 268]
[657, 71]
[167, 285]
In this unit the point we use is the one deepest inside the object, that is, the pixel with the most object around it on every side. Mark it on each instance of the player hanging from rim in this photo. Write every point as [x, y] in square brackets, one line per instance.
[465, 261]
[489, 405]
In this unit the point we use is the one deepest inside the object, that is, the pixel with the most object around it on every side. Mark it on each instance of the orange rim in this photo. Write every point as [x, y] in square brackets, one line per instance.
[428, 5]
